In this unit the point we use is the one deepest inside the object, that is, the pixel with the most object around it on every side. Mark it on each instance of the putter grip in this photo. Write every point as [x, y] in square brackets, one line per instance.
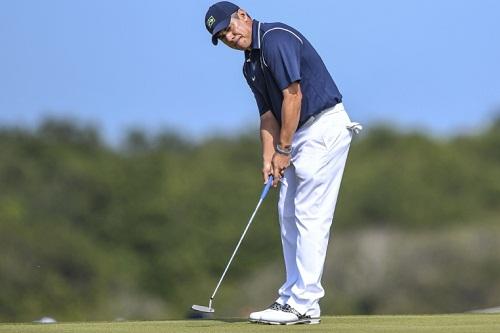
[267, 187]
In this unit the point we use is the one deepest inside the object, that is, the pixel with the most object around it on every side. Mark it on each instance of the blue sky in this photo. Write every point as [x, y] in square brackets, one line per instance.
[149, 64]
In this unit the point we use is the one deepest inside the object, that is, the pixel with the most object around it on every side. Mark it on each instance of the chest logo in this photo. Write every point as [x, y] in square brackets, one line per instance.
[210, 21]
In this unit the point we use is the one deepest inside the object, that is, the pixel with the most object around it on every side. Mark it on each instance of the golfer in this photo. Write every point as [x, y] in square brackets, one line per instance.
[305, 134]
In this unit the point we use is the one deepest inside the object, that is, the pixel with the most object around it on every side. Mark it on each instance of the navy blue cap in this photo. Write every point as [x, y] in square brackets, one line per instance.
[218, 17]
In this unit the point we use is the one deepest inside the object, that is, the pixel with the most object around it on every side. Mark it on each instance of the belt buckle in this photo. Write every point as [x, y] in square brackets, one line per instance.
[309, 121]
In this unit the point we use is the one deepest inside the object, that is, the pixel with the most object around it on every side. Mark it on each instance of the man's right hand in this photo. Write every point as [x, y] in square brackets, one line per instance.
[269, 135]
[267, 170]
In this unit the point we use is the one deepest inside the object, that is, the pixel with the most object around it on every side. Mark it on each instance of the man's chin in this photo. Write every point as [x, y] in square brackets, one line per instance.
[242, 47]
[238, 47]
[241, 44]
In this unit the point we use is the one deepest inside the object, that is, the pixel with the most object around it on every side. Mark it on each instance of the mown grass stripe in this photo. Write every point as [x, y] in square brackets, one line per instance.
[466, 323]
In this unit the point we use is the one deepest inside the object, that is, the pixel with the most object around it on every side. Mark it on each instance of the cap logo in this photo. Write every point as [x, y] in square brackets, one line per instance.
[210, 21]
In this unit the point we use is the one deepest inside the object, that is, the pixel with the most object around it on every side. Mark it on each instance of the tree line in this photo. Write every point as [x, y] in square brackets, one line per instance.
[91, 231]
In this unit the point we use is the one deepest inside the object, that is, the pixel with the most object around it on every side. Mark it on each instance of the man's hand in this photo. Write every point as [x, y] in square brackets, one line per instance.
[279, 163]
[272, 134]
[290, 114]
[267, 170]
[269, 133]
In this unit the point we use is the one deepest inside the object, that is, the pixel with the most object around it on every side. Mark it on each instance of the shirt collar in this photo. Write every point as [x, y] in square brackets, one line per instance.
[255, 35]
[255, 40]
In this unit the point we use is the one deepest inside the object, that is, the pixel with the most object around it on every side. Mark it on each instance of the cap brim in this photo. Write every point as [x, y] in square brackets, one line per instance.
[218, 28]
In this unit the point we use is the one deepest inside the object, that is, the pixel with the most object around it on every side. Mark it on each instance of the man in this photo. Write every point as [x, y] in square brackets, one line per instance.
[305, 136]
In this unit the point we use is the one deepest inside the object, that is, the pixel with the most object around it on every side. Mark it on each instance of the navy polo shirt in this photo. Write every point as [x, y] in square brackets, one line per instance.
[280, 56]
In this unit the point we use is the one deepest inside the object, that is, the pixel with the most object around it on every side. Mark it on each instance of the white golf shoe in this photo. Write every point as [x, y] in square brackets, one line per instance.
[255, 317]
[286, 316]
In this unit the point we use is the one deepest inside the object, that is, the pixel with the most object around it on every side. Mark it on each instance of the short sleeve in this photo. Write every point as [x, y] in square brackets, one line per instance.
[282, 52]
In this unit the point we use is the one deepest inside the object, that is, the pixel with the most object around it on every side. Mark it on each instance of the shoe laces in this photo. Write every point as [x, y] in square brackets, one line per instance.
[275, 306]
[288, 308]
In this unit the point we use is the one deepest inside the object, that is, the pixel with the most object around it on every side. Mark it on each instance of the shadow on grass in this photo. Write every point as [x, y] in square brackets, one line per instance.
[212, 322]
[233, 320]
[195, 316]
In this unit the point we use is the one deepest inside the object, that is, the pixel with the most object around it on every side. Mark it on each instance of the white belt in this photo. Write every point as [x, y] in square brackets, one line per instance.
[353, 126]
[334, 109]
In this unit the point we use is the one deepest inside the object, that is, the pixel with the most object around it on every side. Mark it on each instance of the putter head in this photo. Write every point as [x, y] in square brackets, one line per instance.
[201, 308]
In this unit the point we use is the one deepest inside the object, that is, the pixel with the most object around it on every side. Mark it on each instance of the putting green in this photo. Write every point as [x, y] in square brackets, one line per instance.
[468, 323]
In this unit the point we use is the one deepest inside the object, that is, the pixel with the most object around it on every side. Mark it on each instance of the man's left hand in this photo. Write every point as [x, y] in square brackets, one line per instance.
[279, 163]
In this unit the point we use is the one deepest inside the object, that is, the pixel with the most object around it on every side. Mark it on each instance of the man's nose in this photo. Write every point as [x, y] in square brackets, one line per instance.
[229, 36]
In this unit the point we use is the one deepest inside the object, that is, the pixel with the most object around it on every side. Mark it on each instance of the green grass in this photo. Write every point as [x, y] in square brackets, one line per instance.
[468, 323]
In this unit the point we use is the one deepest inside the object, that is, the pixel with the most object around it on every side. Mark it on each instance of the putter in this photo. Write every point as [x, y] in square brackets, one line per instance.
[209, 308]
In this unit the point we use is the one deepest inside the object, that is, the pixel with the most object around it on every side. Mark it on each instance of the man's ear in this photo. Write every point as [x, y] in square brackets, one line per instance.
[242, 15]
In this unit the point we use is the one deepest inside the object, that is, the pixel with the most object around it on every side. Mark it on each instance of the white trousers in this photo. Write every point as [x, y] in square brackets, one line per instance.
[308, 195]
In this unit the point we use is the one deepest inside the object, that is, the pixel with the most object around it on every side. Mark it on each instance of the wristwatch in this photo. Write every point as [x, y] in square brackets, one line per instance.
[284, 150]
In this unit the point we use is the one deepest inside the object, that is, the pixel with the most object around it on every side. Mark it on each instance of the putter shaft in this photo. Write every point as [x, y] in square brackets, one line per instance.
[262, 196]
